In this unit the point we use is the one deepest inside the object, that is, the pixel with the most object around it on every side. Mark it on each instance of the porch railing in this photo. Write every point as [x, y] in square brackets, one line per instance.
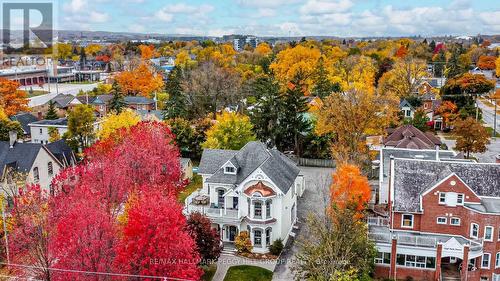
[404, 239]
[378, 221]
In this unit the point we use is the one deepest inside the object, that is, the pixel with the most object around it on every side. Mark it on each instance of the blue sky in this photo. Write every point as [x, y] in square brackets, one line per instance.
[284, 17]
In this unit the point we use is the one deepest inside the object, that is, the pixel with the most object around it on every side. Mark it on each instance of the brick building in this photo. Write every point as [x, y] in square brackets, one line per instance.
[443, 223]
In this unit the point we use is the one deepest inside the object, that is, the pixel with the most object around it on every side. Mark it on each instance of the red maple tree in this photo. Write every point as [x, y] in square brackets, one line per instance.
[155, 240]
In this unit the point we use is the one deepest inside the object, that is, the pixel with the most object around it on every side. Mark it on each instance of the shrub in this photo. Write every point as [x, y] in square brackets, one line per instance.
[276, 247]
[243, 243]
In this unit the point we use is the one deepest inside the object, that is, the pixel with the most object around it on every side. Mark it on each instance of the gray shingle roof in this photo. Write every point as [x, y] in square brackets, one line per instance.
[62, 100]
[412, 177]
[24, 119]
[56, 122]
[20, 157]
[138, 100]
[281, 170]
[62, 152]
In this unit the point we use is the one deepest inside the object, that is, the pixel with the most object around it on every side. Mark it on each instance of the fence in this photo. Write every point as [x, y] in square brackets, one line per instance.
[309, 162]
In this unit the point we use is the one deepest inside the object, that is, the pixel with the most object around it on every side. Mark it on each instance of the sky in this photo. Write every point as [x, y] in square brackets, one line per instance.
[283, 17]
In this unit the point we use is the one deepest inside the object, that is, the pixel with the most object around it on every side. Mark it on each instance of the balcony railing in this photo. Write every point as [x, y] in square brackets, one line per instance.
[408, 240]
[221, 212]
[378, 221]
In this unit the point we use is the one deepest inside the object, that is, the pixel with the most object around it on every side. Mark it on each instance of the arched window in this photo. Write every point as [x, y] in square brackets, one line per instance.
[268, 236]
[257, 237]
[50, 168]
[268, 209]
[257, 209]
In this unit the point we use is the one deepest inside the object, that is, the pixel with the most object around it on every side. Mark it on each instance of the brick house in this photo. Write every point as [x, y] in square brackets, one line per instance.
[443, 223]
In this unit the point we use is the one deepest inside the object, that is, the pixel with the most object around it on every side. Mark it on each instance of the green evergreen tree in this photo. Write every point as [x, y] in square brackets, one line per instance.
[51, 112]
[292, 121]
[264, 116]
[117, 102]
[432, 46]
[176, 105]
[323, 87]
[439, 64]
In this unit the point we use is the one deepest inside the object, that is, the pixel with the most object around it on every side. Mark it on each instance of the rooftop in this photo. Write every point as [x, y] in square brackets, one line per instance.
[408, 136]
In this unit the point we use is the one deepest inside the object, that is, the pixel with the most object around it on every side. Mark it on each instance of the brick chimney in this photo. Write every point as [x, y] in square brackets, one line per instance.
[39, 115]
[12, 138]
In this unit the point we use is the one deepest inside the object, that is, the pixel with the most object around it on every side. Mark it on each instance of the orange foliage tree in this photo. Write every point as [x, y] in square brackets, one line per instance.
[350, 188]
[401, 52]
[140, 81]
[148, 52]
[12, 100]
[486, 62]
[448, 110]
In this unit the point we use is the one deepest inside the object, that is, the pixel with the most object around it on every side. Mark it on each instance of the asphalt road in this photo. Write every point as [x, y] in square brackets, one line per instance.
[489, 115]
[315, 200]
[72, 89]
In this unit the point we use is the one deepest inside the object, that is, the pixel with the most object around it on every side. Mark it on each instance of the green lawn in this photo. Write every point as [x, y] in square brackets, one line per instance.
[190, 188]
[248, 273]
[209, 272]
[35, 93]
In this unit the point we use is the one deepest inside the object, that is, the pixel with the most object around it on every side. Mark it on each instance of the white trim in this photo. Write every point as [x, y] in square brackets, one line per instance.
[471, 228]
[445, 220]
[492, 232]
[489, 261]
[497, 260]
[412, 220]
[459, 221]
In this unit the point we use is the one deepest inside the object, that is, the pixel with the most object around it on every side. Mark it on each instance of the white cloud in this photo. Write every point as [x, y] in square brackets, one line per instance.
[97, 17]
[169, 12]
[266, 3]
[319, 7]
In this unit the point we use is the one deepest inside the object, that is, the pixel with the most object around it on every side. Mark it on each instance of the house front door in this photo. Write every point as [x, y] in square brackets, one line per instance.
[232, 232]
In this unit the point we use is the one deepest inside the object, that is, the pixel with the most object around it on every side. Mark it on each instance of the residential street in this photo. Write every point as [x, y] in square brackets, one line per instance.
[489, 115]
[72, 89]
[314, 200]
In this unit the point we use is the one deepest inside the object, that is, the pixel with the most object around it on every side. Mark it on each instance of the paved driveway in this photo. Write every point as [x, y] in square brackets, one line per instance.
[315, 199]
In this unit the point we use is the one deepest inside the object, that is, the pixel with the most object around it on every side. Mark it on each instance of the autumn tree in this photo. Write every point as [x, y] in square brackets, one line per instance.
[141, 80]
[51, 112]
[341, 239]
[115, 121]
[322, 84]
[117, 102]
[487, 62]
[350, 188]
[207, 238]
[472, 136]
[210, 88]
[230, 131]
[81, 125]
[405, 77]
[293, 61]
[497, 67]
[263, 49]
[184, 134]
[157, 220]
[53, 134]
[448, 111]
[354, 72]
[350, 117]
[12, 100]
[462, 90]
[6, 125]
[420, 120]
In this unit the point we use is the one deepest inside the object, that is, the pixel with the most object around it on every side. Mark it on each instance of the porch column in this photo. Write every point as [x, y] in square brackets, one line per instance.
[465, 263]
[394, 245]
[437, 275]
[221, 226]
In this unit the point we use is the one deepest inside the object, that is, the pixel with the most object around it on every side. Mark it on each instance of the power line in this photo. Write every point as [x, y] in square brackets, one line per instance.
[94, 272]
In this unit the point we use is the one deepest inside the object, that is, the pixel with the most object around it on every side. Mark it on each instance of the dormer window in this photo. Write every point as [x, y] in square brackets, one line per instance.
[230, 170]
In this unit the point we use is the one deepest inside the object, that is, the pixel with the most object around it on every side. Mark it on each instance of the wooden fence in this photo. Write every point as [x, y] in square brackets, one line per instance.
[308, 162]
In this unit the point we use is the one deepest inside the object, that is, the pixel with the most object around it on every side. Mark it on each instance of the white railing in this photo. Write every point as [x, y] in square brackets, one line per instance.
[404, 239]
[221, 212]
[378, 221]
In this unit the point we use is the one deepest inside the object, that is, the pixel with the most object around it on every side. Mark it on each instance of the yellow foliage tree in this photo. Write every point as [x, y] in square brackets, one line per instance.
[113, 122]
[351, 116]
[93, 49]
[263, 49]
[183, 58]
[354, 72]
[497, 64]
[3, 116]
[293, 61]
[404, 78]
[231, 131]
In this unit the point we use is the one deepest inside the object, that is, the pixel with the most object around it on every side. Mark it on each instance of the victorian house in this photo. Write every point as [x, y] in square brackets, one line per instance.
[254, 189]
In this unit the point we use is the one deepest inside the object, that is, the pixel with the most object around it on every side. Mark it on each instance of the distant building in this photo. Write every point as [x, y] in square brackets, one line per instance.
[252, 41]
[26, 75]
[25, 118]
[40, 129]
[407, 109]
[238, 44]
[408, 136]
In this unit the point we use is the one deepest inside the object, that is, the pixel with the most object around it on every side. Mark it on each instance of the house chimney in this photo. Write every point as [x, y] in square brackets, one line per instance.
[498, 158]
[39, 115]
[12, 138]
[437, 152]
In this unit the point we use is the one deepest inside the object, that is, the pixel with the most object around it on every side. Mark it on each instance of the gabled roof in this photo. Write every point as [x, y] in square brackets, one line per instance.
[279, 168]
[24, 119]
[55, 122]
[62, 152]
[413, 177]
[405, 103]
[408, 136]
[62, 100]
[20, 157]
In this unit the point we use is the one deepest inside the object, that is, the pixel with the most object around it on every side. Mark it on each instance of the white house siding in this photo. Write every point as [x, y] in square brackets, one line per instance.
[42, 163]
[40, 134]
